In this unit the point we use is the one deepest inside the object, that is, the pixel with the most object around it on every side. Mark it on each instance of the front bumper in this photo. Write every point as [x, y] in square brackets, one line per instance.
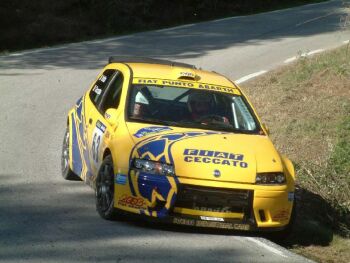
[214, 204]
[213, 207]
[238, 225]
[238, 209]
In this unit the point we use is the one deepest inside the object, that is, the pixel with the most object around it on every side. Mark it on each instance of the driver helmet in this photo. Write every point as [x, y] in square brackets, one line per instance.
[140, 106]
[199, 103]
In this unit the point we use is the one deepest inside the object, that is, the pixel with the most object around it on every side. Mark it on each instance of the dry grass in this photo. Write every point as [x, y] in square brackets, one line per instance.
[302, 109]
[306, 105]
[337, 252]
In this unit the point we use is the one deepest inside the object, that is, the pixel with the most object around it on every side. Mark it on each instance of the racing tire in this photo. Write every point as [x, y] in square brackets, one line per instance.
[104, 190]
[67, 172]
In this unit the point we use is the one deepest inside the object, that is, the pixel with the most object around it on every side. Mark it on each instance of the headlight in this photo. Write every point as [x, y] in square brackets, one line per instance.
[270, 178]
[153, 167]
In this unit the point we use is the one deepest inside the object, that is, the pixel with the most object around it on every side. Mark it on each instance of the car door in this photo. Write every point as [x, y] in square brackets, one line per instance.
[98, 127]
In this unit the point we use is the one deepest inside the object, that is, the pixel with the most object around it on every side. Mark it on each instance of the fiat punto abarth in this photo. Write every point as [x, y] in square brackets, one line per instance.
[176, 144]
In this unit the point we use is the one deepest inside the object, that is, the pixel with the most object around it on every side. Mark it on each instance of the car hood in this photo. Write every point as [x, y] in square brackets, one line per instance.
[204, 154]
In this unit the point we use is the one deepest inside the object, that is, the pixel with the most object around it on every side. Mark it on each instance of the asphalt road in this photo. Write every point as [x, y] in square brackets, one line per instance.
[46, 219]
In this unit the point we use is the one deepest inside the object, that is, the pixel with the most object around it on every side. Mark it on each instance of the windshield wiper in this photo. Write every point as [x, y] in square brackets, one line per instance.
[154, 121]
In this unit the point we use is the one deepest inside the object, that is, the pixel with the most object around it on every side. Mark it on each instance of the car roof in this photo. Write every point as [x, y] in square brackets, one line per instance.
[164, 69]
[130, 59]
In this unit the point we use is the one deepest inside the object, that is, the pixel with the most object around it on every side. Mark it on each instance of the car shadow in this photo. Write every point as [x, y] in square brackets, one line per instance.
[315, 224]
[57, 221]
[316, 221]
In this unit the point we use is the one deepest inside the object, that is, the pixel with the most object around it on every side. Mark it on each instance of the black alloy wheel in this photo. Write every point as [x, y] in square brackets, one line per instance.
[104, 191]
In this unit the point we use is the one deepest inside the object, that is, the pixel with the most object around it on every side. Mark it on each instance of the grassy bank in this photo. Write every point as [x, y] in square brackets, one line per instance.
[27, 24]
[307, 107]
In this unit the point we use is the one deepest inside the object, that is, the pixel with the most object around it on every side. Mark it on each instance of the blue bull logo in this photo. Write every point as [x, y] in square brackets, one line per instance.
[159, 190]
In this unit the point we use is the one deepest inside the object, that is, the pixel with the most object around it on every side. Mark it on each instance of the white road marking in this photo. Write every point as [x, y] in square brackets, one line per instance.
[63, 46]
[314, 19]
[174, 28]
[266, 246]
[37, 51]
[288, 60]
[315, 52]
[308, 5]
[101, 41]
[22, 53]
[272, 12]
[253, 75]
[227, 18]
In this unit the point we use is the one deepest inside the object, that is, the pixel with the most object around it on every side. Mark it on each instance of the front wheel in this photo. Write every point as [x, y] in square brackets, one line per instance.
[67, 173]
[104, 191]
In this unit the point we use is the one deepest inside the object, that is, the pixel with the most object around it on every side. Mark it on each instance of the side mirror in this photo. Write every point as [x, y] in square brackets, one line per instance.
[267, 130]
[111, 116]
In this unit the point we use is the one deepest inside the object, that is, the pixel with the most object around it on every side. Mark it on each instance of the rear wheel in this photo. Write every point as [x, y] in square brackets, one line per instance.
[67, 173]
[105, 190]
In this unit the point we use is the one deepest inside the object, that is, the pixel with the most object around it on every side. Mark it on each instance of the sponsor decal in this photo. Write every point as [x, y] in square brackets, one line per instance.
[97, 90]
[187, 74]
[103, 78]
[132, 201]
[281, 215]
[215, 157]
[97, 137]
[213, 224]
[150, 130]
[216, 88]
[241, 227]
[100, 126]
[184, 221]
[120, 179]
[186, 84]
[165, 82]
[208, 209]
[291, 196]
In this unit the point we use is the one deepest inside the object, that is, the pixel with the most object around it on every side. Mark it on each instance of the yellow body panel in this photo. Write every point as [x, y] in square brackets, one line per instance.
[195, 154]
[142, 70]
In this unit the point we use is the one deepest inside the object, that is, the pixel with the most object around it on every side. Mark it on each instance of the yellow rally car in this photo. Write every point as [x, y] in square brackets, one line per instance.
[169, 141]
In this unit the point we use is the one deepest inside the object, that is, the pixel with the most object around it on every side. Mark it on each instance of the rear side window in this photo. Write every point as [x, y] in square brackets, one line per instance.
[111, 97]
[100, 86]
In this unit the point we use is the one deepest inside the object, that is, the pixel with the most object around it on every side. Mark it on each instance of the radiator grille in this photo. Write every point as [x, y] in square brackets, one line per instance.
[214, 199]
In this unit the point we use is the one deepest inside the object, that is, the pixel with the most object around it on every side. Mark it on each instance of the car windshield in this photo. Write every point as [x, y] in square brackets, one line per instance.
[189, 107]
